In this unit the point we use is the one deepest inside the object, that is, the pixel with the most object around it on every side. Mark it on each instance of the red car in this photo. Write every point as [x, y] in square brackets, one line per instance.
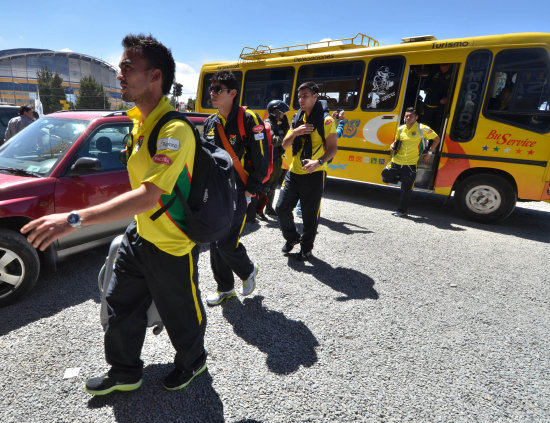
[64, 161]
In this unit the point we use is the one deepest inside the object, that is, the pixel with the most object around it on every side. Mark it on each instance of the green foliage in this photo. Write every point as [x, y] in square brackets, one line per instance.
[92, 95]
[191, 104]
[50, 88]
[176, 90]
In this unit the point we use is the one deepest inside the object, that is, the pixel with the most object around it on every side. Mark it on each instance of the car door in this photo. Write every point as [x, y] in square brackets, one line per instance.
[89, 188]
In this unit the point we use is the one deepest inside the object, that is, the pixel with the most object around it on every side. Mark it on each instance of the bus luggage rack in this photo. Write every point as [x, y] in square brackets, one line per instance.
[263, 52]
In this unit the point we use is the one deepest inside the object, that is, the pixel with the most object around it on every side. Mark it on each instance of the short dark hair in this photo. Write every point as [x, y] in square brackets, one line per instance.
[226, 78]
[156, 54]
[312, 86]
[411, 110]
[24, 108]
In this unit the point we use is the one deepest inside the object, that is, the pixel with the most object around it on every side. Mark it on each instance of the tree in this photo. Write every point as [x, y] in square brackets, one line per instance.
[191, 104]
[176, 92]
[92, 95]
[50, 88]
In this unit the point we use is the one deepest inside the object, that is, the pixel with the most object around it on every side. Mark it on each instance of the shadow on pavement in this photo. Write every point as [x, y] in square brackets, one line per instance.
[439, 211]
[288, 343]
[353, 284]
[345, 228]
[199, 402]
[74, 282]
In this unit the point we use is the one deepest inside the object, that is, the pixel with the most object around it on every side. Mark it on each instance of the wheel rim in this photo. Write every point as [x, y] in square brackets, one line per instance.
[12, 271]
[483, 199]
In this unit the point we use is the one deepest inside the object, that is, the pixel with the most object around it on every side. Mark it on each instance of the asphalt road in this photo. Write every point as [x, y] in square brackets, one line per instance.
[431, 318]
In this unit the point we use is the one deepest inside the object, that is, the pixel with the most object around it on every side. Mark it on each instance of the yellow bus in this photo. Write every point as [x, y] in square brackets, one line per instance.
[493, 118]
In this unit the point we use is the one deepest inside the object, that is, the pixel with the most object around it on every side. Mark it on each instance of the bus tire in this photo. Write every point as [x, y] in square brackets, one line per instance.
[485, 198]
[19, 266]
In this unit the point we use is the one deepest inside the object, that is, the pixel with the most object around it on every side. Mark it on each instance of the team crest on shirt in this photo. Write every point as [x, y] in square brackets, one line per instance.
[138, 144]
[211, 132]
[414, 134]
[232, 139]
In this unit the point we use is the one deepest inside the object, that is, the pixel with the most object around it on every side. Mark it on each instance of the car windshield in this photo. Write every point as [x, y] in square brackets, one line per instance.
[38, 147]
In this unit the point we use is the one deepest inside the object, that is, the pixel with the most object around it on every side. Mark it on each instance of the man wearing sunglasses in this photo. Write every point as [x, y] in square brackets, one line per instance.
[228, 255]
[156, 260]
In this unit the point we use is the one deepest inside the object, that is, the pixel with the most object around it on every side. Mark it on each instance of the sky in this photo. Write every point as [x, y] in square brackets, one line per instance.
[199, 32]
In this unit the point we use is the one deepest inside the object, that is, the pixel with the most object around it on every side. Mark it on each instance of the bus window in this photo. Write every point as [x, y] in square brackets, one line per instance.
[471, 95]
[339, 83]
[383, 83]
[519, 91]
[206, 103]
[263, 85]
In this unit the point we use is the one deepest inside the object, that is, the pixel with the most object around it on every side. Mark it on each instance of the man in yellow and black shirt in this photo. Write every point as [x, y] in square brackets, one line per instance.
[156, 260]
[305, 180]
[407, 148]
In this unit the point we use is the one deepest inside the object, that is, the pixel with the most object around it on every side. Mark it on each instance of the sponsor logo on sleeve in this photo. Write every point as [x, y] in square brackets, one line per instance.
[168, 144]
[162, 159]
[328, 121]
[258, 128]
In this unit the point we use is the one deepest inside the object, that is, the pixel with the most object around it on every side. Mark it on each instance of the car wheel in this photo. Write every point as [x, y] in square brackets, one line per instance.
[19, 266]
[485, 198]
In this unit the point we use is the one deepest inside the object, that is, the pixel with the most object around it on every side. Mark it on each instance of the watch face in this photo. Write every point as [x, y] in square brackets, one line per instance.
[73, 218]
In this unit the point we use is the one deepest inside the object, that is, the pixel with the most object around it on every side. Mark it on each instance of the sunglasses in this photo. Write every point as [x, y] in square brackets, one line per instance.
[218, 90]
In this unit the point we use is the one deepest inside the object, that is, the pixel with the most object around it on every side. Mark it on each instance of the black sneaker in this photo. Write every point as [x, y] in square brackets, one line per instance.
[304, 255]
[177, 379]
[289, 245]
[262, 216]
[270, 211]
[103, 385]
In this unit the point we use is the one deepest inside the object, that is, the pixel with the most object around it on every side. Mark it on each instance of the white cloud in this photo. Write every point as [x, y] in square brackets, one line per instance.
[189, 78]
[67, 50]
[324, 43]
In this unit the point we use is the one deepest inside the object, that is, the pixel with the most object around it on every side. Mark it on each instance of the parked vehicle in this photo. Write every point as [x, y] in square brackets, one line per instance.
[493, 111]
[64, 161]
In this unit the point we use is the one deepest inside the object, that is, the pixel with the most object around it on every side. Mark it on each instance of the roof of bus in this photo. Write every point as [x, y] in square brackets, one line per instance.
[452, 44]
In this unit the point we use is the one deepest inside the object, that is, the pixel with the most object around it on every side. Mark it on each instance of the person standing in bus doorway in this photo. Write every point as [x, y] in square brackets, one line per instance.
[305, 180]
[155, 260]
[407, 147]
[228, 255]
[437, 88]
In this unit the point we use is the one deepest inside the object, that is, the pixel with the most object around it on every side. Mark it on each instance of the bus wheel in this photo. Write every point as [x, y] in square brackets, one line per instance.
[485, 198]
[19, 266]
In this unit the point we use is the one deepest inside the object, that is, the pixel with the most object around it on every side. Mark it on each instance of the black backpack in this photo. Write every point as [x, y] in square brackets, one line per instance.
[209, 209]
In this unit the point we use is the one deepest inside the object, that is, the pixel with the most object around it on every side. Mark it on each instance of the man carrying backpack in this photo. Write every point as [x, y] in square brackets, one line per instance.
[156, 260]
[242, 134]
[313, 138]
[407, 148]
[278, 122]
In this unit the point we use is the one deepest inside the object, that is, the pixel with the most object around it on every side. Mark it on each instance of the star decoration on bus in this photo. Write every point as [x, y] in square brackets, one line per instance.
[485, 148]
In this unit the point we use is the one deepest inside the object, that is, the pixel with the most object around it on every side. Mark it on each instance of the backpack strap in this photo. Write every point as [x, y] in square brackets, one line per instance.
[152, 147]
[153, 136]
[236, 162]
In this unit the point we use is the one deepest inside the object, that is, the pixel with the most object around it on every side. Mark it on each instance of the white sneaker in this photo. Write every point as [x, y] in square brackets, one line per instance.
[217, 297]
[250, 284]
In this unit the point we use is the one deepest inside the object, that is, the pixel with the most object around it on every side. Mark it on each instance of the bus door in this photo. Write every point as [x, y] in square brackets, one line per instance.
[430, 90]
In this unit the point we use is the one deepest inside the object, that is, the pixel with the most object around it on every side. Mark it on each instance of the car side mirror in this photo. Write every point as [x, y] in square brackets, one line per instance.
[85, 165]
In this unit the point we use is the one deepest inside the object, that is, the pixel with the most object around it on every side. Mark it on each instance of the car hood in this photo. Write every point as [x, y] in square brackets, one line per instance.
[15, 186]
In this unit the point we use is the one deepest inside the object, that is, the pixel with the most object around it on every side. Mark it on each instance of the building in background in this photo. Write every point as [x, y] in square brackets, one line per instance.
[19, 67]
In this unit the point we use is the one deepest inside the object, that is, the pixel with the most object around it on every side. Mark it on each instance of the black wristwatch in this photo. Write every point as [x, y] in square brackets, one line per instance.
[74, 219]
[321, 161]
